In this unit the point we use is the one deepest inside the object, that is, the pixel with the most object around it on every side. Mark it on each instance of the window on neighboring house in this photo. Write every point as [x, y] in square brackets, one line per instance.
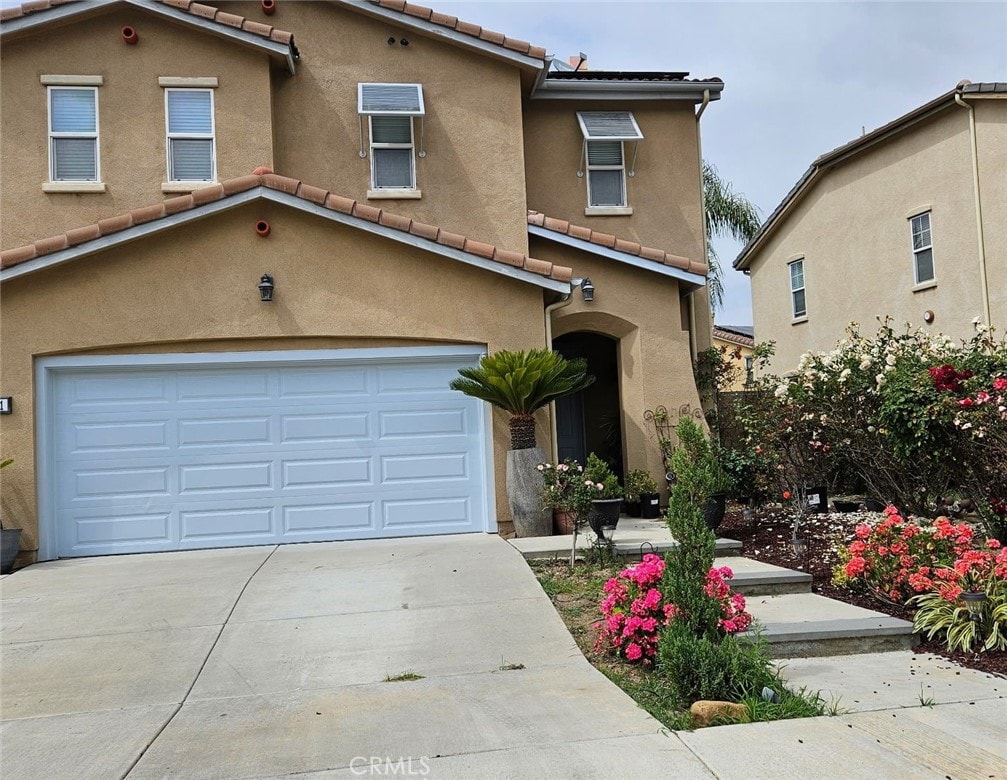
[605, 136]
[73, 134]
[390, 110]
[749, 370]
[923, 248]
[798, 300]
[189, 119]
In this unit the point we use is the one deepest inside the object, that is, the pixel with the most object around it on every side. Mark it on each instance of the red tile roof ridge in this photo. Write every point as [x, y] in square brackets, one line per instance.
[202, 10]
[82, 235]
[725, 334]
[610, 241]
[426, 14]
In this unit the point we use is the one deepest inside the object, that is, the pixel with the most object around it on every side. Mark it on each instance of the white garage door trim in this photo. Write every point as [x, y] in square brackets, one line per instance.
[48, 369]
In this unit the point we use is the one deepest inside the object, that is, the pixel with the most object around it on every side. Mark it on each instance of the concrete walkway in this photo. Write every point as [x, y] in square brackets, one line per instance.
[268, 662]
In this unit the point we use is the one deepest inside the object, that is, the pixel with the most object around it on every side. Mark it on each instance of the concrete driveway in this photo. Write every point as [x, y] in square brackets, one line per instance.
[271, 661]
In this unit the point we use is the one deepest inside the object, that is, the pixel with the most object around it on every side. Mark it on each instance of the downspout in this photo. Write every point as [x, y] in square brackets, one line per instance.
[693, 346]
[566, 300]
[984, 289]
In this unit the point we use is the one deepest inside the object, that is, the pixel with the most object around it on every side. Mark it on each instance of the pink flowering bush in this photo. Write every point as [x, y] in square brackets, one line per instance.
[635, 610]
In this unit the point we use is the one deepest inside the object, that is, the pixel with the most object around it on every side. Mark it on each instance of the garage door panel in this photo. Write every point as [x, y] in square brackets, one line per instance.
[326, 472]
[219, 455]
[228, 524]
[325, 427]
[342, 520]
[196, 387]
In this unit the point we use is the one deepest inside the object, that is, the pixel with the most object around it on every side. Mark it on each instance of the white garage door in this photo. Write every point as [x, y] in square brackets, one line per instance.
[175, 457]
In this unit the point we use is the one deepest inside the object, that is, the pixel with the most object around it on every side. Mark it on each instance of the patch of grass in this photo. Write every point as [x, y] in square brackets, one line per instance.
[404, 677]
[926, 701]
[801, 703]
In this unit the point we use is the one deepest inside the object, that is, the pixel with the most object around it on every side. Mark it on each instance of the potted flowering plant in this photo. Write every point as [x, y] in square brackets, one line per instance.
[561, 485]
[641, 496]
[607, 500]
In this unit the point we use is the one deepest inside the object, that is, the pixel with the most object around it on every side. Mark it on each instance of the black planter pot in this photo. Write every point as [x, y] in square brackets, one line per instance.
[846, 506]
[10, 544]
[632, 508]
[650, 505]
[818, 498]
[873, 505]
[716, 507]
[604, 514]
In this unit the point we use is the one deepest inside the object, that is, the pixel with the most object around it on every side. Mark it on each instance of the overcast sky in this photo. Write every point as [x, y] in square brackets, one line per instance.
[801, 78]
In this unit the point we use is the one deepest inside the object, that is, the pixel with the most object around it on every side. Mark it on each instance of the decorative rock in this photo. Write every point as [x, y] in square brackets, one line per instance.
[708, 712]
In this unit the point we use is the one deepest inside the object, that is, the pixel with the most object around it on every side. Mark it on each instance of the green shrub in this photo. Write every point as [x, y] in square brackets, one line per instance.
[950, 620]
[599, 472]
[639, 481]
[726, 668]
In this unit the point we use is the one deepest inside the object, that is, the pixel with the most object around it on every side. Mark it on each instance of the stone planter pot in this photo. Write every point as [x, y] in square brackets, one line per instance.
[524, 486]
[10, 545]
[604, 514]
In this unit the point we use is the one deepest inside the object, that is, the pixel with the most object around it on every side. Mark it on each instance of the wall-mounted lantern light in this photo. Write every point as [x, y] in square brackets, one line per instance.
[587, 289]
[266, 288]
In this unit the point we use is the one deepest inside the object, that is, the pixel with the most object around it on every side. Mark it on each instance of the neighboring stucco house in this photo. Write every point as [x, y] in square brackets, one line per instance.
[203, 353]
[907, 221]
[737, 342]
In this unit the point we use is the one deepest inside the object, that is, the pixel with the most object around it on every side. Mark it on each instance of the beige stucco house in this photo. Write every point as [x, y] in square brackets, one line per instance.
[244, 254]
[907, 221]
[737, 344]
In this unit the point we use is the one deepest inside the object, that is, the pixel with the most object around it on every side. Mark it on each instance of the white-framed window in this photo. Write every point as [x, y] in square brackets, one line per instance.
[605, 136]
[190, 131]
[73, 134]
[799, 303]
[606, 174]
[923, 248]
[390, 110]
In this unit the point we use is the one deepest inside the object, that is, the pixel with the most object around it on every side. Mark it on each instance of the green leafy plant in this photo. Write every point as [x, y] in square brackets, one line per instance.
[951, 620]
[639, 481]
[522, 382]
[606, 483]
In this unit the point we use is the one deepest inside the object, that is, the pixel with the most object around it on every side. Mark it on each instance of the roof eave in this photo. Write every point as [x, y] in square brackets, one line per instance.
[563, 89]
[439, 31]
[689, 280]
[38, 19]
[205, 210]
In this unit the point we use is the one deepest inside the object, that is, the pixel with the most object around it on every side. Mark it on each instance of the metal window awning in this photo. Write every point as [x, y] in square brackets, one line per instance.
[609, 126]
[397, 99]
[380, 99]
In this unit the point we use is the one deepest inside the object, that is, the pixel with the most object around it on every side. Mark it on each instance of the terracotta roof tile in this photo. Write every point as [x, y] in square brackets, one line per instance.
[445, 20]
[420, 11]
[468, 28]
[196, 9]
[82, 235]
[582, 233]
[492, 37]
[725, 334]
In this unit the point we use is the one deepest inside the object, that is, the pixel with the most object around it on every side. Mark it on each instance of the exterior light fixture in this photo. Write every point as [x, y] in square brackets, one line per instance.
[266, 288]
[974, 600]
[587, 289]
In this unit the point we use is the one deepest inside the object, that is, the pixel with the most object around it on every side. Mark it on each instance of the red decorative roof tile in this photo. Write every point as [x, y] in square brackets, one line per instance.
[81, 236]
[609, 241]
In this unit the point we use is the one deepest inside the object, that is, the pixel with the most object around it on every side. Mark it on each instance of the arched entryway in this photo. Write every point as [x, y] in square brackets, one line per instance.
[591, 420]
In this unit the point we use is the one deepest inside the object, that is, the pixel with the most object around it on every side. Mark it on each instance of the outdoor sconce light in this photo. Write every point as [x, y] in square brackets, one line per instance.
[587, 289]
[266, 288]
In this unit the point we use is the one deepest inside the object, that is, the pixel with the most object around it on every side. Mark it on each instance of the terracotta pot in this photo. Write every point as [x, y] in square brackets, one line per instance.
[563, 522]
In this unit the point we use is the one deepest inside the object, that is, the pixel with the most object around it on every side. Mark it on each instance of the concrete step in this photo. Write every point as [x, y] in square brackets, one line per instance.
[755, 578]
[806, 625]
[634, 537]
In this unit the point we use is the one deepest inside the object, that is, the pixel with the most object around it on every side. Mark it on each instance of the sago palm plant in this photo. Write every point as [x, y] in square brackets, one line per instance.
[521, 383]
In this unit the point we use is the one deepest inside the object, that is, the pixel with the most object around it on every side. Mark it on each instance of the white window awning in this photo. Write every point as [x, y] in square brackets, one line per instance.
[396, 99]
[609, 126]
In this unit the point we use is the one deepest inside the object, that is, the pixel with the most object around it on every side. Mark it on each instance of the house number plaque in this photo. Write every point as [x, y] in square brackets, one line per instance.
[6, 404]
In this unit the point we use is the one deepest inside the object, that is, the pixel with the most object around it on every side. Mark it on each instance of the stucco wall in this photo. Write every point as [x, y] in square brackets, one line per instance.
[853, 232]
[335, 286]
[131, 115]
[472, 178]
[664, 193]
[991, 135]
[642, 311]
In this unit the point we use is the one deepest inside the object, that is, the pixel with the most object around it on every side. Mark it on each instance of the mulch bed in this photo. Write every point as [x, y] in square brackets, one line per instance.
[767, 538]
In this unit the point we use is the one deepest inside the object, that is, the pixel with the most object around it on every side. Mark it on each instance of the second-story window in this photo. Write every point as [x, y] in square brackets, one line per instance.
[391, 110]
[190, 131]
[73, 134]
[923, 248]
[606, 134]
[799, 303]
